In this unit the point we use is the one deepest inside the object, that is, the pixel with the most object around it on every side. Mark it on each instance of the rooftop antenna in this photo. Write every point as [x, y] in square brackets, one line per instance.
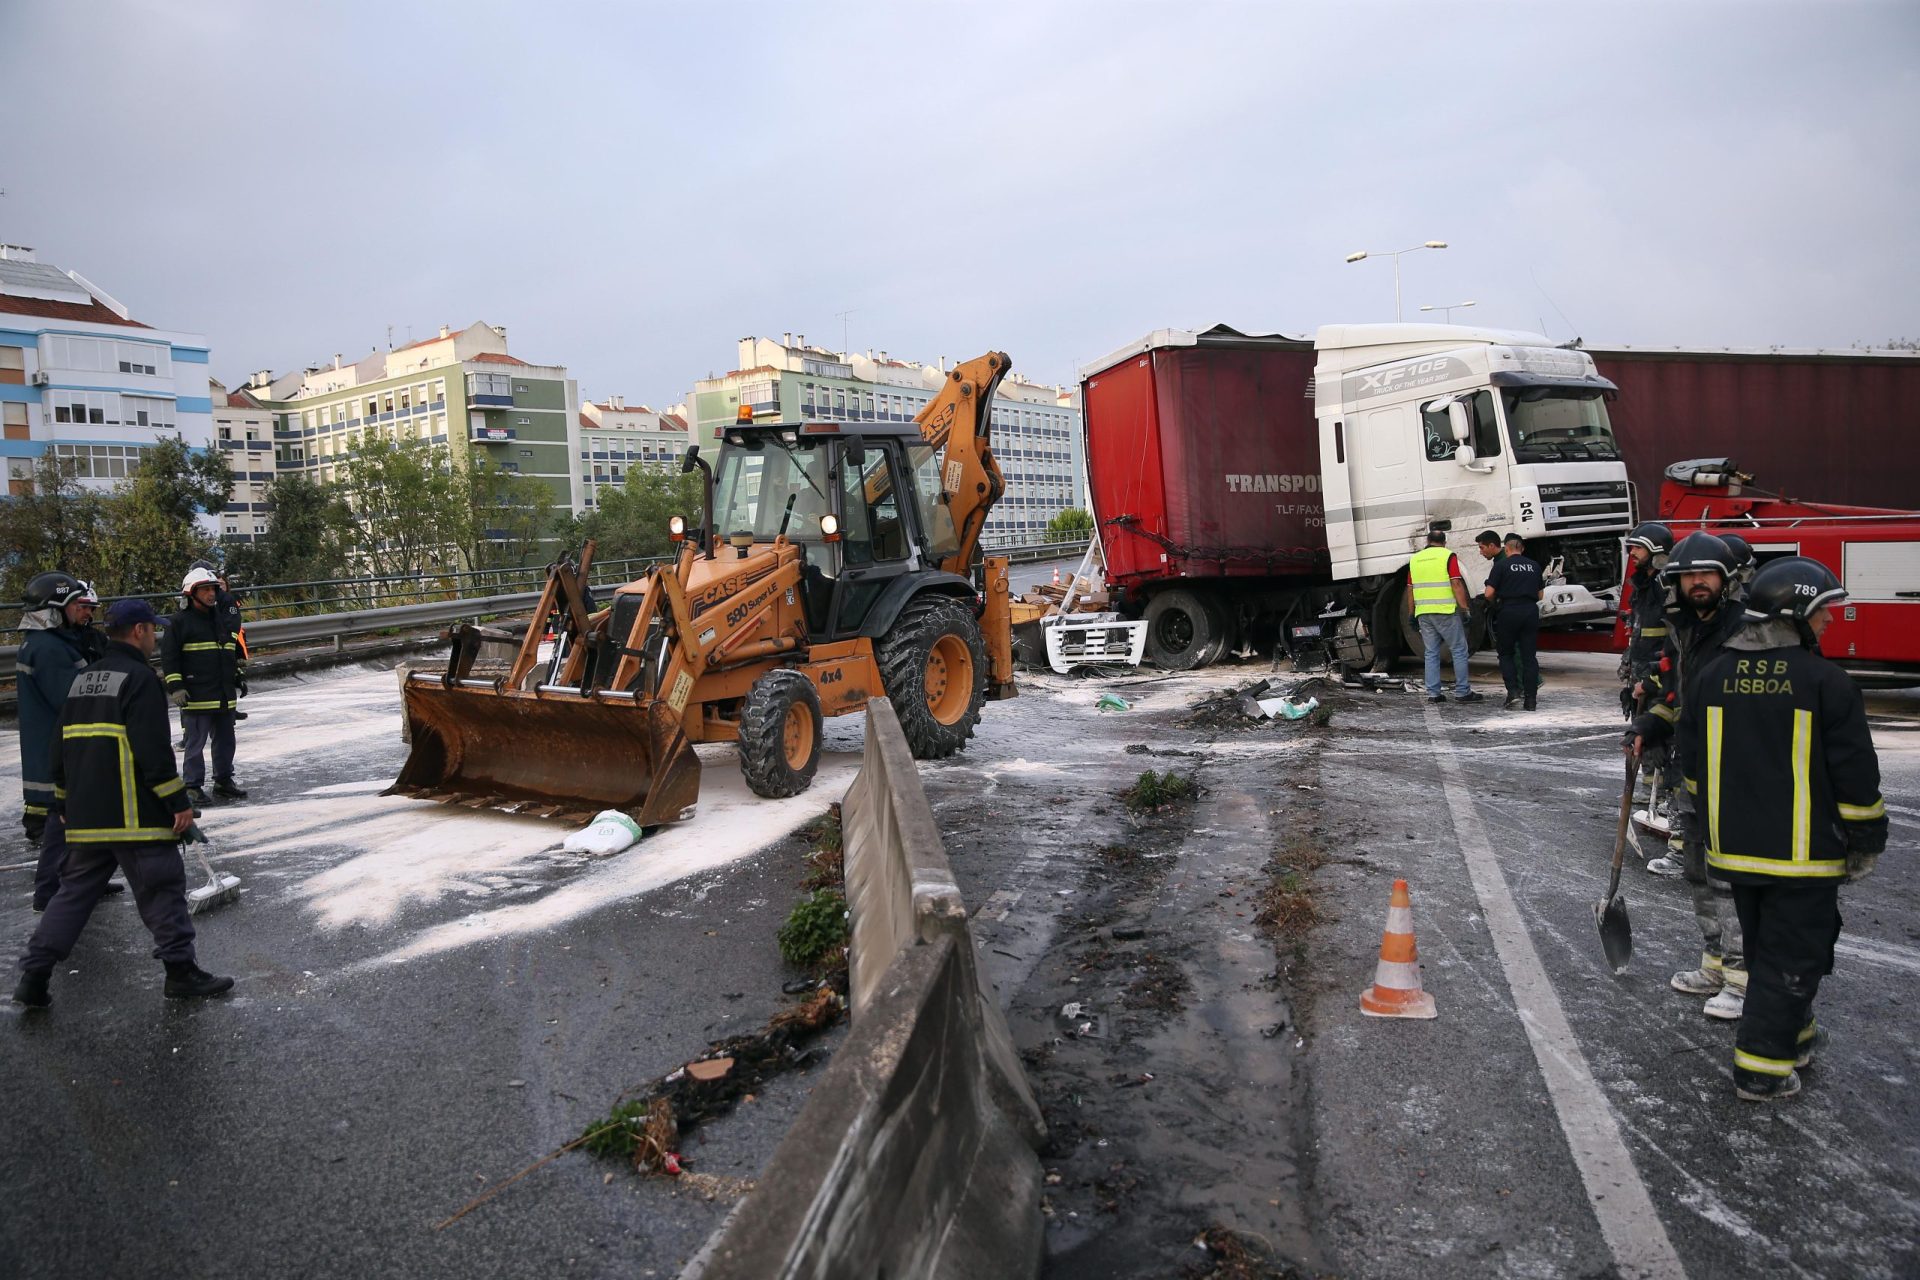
[842, 317]
[389, 337]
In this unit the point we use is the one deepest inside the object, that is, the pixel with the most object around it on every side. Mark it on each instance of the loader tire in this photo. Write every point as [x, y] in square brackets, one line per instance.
[780, 734]
[933, 665]
[1185, 630]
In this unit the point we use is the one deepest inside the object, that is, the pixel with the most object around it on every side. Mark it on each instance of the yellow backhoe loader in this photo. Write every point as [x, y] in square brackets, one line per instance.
[840, 561]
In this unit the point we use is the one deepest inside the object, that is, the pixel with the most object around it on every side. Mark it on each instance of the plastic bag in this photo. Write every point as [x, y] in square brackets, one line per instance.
[1112, 702]
[1287, 708]
[609, 832]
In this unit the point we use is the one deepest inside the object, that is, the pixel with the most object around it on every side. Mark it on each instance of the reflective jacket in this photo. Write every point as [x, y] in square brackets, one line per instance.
[1430, 576]
[49, 660]
[200, 653]
[1775, 749]
[114, 775]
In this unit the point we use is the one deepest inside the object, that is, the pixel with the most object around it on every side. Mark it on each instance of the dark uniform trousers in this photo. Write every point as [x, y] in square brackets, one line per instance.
[158, 879]
[1516, 634]
[53, 855]
[202, 727]
[1790, 928]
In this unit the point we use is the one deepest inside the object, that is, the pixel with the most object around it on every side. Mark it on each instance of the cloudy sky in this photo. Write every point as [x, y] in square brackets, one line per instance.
[631, 188]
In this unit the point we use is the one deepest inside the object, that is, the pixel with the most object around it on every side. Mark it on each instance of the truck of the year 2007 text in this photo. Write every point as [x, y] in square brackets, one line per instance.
[1259, 491]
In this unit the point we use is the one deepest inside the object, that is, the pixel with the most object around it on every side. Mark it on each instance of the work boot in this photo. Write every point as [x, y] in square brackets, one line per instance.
[197, 797]
[228, 788]
[1754, 1086]
[1513, 700]
[188, 981]
[1812, 1041]
[1727, 1003]
[1533, 699]
[1665, 865]
[1704, 981]
[1436, 697]
[1469, 696]
[32, 991]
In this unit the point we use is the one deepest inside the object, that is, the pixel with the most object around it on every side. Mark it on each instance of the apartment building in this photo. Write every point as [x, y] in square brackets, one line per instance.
[1037, 433]
[82, 380]
[243, 431]
[460, 392]
[617, 439]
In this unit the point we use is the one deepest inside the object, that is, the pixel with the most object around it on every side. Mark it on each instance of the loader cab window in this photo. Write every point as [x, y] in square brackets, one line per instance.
[1437, 433]
[760, 489]
[871, 526]
[936, 521]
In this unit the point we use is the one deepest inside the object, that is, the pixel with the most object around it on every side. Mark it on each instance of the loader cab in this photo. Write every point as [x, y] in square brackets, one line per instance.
[864, 509]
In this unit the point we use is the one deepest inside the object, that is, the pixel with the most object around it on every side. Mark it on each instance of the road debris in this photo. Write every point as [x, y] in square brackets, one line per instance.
[1113, 702]
[608, 833]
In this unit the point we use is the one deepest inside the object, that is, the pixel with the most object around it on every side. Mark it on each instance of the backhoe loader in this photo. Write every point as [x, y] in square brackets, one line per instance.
[838, 561]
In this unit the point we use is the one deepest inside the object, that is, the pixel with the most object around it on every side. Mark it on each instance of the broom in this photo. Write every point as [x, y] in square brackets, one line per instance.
[219, 889]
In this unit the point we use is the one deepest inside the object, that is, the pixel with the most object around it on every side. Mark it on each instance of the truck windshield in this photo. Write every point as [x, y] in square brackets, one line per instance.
[764, 485]
[1555, 424]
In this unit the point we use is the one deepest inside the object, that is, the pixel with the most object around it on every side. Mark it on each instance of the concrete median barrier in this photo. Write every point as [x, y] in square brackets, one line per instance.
[914, 1156]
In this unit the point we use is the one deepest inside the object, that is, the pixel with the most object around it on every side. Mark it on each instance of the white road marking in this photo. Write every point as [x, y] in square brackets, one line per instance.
[1624, 1210]
[1890, 954]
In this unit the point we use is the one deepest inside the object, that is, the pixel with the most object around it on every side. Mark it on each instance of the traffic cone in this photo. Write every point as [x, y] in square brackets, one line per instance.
[1396, 989]
[1056, 575]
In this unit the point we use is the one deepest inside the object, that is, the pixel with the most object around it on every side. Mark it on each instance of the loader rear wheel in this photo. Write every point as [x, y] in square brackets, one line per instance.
[933, 666]
[780, 734]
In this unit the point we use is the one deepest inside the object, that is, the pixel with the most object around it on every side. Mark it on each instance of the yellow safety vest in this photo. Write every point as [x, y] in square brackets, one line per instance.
[1432, 585]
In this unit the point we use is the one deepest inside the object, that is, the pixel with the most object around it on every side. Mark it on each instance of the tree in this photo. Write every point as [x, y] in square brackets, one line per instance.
[54, 526]
[307, 539]
[409, 507]
[507, 516]
[150, 531]
[1071, 523]
[631, 521]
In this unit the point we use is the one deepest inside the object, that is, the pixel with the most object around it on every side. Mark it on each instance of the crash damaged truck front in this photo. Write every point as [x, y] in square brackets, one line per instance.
[1257, 491]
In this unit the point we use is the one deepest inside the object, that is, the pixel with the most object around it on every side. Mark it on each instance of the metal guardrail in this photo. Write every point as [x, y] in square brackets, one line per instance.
[311, 628]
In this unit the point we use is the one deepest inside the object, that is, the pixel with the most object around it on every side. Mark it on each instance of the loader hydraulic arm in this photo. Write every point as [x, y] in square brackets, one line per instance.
[959, 424]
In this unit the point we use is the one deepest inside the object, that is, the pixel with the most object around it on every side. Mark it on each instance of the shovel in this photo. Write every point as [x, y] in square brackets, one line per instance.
[1616, 934]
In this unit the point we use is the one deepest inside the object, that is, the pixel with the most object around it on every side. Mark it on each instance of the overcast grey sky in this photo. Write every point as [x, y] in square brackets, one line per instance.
[631, 188]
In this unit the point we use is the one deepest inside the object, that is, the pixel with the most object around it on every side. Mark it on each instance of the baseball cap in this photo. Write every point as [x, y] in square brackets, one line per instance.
[131, 613]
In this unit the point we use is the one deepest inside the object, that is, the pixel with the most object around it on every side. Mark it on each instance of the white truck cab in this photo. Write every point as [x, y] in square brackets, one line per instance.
[1470, 429]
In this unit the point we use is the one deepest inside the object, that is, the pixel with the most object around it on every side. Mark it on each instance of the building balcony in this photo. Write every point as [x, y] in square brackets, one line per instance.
[493, 435]
[490, 402]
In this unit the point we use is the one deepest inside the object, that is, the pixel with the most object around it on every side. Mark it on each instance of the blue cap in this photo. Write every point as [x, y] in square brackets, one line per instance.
[130, 613]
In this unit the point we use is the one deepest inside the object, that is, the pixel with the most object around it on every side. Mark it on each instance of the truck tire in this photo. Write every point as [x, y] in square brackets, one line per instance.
[933, 665]
[1389, 640]
[1184, 630]
[780, 734]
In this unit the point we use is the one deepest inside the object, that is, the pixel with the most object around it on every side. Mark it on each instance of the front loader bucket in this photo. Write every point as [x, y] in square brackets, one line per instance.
[551, 754]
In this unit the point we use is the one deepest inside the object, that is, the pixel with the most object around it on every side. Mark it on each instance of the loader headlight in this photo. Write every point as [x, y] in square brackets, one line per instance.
[830, 528]
[677, 528]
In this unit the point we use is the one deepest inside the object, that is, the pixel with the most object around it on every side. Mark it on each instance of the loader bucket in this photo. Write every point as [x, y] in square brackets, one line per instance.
[549, 754]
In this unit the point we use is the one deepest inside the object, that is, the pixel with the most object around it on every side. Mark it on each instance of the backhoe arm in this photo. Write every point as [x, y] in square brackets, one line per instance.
[959, 424]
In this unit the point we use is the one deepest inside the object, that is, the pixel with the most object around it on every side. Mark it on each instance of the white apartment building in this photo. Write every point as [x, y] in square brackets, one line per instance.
[1037, 435]
[243, 430]
[617, 439]
[82, 380]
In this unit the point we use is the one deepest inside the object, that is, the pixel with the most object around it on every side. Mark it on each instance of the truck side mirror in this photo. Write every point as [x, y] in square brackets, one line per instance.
[856, 452]
[1458, 421]
[1464, 455]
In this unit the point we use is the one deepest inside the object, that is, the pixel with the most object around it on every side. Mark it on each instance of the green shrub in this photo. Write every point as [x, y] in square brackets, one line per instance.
[815, 931]
[1157, 791]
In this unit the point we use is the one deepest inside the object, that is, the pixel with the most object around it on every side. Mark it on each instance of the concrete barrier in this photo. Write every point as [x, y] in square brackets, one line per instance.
[914, 1156]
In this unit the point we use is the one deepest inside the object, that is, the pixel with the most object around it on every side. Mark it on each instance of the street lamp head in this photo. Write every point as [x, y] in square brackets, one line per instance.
[1429, 308]
[1467, 303]
[1355, 257]
[1435, 244]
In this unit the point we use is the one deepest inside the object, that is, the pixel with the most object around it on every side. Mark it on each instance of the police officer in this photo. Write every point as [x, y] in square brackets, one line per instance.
[60, 642]
[1699, 626]
[124, 805]
[1775, 745]
[1489, 544]
[1514, 587]
[201, 659]
[1436, 602]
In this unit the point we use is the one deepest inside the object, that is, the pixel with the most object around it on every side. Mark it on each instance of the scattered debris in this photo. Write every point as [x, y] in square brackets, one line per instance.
[708, 1069]
[1231, 1257]
[1287, 708]
[608, 833]
[1112, 702]
[826, 867]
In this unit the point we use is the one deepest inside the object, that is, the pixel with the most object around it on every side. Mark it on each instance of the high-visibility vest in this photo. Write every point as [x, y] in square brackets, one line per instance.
[1432, 585]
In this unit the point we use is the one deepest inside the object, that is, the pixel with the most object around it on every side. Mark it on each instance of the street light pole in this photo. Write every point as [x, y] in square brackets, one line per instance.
[1448, 309]
[1363, 254]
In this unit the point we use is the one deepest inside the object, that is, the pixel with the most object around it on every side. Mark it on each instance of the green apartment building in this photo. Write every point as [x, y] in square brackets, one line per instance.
[460, 393]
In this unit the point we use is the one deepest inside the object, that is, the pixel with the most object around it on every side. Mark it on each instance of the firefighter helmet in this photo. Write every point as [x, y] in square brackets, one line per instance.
[1793, 587]
[1654, 536]
[56, 590]
[1700, 553]
[195, 578]
[1743, 561]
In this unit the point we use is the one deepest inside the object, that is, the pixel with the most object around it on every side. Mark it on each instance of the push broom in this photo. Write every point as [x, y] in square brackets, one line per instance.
[219, 889]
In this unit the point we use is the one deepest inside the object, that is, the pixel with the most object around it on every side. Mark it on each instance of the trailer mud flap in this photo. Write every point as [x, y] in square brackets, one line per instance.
[556, 755]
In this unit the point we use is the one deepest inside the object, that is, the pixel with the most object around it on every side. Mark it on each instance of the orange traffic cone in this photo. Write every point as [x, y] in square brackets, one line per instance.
[1056, 575]
[1396, 989]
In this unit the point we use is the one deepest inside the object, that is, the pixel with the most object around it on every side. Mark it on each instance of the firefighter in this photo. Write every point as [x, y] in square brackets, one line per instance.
[1743, 563]
[1514, 587]
[1648, 547]
[201, 658]
[124, 804]
[1775, 746]
[60, 642]
[228, 606]
[1698, 628]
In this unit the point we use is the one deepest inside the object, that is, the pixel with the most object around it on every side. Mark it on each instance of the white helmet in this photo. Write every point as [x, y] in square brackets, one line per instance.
[194, 578]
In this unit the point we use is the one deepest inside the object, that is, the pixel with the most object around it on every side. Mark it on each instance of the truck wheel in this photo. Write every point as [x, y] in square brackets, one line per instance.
[933, 666]
[780, 734]
[1184, 631]
[1390, 633]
